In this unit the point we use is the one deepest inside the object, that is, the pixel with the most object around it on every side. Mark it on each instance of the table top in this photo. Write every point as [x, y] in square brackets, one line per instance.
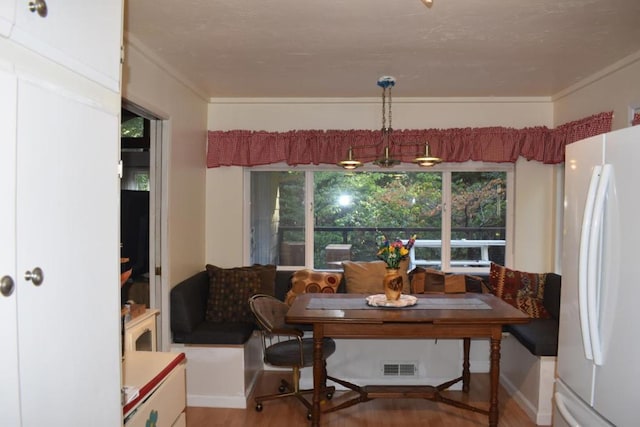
[440, 309]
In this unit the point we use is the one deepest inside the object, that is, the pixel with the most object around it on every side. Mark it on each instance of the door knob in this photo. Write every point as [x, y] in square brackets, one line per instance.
[6, 286]
[36, 276]
[39, 6]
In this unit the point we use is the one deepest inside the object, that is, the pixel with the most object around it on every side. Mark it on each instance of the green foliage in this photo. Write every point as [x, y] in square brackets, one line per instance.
[408, 202]
[132, 128]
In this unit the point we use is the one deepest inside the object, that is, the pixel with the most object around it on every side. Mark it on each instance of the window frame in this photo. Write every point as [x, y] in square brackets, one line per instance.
[446, 169]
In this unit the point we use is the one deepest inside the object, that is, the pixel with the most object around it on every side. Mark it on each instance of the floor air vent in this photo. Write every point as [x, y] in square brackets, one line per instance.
[399, 369]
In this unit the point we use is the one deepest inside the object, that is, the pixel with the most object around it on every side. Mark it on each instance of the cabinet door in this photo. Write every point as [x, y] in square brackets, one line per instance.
[7, 11]
[9, 388]
[67, 225]
[82, 35]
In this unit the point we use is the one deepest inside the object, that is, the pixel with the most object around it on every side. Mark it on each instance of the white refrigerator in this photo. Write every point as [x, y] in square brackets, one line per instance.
[598, 369]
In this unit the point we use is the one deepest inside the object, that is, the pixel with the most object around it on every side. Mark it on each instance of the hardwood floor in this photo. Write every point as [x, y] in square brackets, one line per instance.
[379, 413]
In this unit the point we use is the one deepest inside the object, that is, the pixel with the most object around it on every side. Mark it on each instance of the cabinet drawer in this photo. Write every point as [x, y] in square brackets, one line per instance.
[166, 403]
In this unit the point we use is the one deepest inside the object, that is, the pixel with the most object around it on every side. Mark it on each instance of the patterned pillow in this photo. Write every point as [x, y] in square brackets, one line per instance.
[522, 290]
[229, 292]
[365, 277]
[267, 275]
[309, 281]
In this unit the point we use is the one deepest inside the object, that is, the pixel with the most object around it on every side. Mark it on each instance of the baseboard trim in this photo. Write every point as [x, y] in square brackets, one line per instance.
[217, 401]
[541, 419]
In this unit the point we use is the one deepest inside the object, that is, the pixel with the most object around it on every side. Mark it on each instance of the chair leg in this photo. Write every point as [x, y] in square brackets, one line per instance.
[295, 391]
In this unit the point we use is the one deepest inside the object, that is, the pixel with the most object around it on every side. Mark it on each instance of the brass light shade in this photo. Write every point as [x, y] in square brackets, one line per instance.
[350, 163]
[427, 160]
[386, 161]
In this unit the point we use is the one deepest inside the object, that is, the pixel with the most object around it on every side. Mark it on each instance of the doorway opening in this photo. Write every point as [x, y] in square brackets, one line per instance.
[142, 207]
[135, 187]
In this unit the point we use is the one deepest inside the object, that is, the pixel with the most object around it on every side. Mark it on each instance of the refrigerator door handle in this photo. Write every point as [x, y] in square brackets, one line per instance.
[564, 411]
[595, 264]
[583, 261]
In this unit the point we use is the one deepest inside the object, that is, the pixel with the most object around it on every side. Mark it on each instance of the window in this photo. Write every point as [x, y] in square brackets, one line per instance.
[135, 142]
[318, 218]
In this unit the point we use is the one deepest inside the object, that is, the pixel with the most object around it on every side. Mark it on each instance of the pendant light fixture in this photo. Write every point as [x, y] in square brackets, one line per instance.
[386, 159]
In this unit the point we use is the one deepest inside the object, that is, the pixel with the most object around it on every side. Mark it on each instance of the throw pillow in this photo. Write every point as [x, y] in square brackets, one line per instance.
[475, 284]
[266, 274]
[229, 293]
[309, 281]
[428, 280]
[522, 290]
[417, 279]
[365, 277]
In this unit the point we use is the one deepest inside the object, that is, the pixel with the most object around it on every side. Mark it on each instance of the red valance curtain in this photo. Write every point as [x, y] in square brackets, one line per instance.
[489, 144]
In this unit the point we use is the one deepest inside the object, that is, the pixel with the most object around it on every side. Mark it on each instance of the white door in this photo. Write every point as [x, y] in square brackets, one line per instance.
[9, 383]
[573, 367]
[67, 225]
[618, 374]
[85, 36]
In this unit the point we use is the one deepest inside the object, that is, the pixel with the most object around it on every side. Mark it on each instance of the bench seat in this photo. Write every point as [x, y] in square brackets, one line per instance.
[539, 336]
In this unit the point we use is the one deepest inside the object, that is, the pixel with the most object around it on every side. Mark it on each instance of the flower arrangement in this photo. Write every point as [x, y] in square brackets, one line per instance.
[392, 252]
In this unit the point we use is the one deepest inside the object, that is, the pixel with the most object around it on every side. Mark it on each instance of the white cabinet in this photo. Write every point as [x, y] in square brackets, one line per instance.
[7, 12]
[60, 362]
[66, 205]
[160, 379]
[140, 332]
[85, 36]
[9, 401]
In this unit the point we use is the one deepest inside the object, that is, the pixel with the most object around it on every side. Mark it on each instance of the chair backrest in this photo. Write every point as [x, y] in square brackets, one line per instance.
[269, 312]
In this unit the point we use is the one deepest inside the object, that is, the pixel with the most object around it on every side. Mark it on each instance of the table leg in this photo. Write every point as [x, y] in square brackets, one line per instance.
[495, 381]
[466, 375]
[317, 376]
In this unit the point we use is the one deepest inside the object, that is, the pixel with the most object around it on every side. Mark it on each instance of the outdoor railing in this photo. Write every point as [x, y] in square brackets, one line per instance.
[470, 247]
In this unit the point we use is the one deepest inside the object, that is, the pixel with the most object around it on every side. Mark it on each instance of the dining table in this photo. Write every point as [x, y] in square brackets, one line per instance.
[441, 316]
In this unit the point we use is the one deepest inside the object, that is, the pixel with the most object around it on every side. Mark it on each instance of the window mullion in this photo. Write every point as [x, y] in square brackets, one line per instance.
[309, 220]
[445, 252]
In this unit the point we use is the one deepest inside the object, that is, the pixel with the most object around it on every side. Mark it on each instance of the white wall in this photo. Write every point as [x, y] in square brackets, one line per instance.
[616, 88]
[225, 184]
[149, 86]
[535, 216]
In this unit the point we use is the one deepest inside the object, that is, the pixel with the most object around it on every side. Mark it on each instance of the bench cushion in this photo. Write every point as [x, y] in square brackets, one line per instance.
[551, 299]
[188, 303]
[539, 336]
[223, 333]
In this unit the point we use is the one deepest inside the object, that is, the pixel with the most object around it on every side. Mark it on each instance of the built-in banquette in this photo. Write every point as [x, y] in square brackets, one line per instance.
[212, 324]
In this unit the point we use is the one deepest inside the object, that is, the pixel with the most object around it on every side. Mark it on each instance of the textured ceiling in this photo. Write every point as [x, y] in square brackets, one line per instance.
[339, 48]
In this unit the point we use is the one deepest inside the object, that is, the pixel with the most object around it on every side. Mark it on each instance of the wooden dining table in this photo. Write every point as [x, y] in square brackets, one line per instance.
[440, 316]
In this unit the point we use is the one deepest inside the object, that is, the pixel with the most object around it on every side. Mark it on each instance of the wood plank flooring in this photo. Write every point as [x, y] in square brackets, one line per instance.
[379, 413]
